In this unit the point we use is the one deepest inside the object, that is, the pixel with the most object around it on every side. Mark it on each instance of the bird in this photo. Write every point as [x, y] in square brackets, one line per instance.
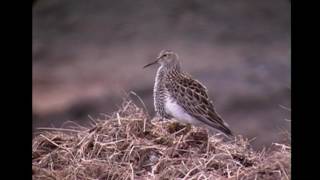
[177, 95]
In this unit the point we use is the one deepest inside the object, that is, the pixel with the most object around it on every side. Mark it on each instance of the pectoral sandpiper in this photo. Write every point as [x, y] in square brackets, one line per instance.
[177, 95]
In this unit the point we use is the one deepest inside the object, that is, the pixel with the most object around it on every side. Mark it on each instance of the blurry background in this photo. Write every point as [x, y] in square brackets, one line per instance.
[88, 54]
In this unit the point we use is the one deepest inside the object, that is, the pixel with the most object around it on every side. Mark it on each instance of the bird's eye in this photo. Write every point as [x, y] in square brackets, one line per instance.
[165, 55]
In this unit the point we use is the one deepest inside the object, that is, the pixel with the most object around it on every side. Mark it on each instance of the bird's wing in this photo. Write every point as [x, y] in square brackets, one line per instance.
[193, 97]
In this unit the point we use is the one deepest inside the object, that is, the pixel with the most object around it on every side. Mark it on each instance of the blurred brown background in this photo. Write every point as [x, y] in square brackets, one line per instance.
[88, 54]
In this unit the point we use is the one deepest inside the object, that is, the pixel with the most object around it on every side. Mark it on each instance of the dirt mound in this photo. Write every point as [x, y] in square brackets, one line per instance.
[127, 145]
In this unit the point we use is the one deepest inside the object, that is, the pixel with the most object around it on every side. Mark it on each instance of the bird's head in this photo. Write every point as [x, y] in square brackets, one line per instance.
[166, 58]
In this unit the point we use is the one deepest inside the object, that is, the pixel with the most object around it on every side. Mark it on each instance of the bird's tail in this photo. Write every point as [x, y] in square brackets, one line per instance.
[216, 123]
[225, 130]
[219, 124]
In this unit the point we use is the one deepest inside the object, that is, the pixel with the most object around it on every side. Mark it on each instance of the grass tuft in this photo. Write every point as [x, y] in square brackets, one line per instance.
[128, 145]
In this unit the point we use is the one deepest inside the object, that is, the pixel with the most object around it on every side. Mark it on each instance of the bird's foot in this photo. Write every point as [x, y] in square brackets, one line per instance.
[188, 127]
[178, 128]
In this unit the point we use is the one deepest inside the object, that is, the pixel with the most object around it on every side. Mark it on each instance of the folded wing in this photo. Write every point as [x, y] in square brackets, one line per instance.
[193, 97]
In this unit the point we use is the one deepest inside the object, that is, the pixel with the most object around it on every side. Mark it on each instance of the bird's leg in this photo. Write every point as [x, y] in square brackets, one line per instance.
[187, 131]
[188, 127]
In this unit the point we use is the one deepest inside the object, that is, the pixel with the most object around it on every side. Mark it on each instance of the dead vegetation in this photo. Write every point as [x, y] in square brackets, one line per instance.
[127, 145]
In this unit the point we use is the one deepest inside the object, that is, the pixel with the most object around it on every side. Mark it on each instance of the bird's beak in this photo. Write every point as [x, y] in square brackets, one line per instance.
[152, 63]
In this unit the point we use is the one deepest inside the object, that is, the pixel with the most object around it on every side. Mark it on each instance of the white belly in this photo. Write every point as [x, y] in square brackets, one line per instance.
[175, 110]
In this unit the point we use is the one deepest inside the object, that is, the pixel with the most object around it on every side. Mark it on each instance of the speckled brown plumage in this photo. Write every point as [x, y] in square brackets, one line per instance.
[178, 95]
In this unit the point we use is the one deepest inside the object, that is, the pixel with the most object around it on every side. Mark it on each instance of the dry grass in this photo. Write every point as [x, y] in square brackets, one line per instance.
[127, 145]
